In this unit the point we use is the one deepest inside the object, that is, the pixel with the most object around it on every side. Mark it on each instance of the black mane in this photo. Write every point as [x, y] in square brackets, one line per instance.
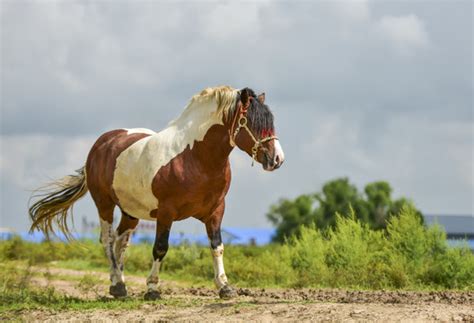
[260, 118]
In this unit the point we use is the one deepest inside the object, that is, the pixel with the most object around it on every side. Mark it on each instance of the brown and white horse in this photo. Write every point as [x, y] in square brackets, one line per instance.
[182, 171]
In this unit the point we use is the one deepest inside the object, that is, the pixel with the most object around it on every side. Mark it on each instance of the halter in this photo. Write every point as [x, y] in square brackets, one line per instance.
[242, 123]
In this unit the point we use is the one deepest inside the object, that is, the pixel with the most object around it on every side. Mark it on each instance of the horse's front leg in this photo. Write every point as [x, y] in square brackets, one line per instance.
[160, 248]
[213, 228]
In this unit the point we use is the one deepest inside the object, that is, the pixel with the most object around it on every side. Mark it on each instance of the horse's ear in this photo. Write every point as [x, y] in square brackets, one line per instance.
[244, 97]
[261, 98]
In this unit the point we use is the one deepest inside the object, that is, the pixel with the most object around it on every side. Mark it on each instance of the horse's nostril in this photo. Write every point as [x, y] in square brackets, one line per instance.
[277, 159]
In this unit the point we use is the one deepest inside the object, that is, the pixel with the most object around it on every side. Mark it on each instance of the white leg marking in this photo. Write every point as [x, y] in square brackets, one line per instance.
[121, 244]
[107, 236]
[220, 279]
[153, 278]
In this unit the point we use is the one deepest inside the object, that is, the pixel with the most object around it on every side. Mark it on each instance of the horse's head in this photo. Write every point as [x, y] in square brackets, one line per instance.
[252, 130]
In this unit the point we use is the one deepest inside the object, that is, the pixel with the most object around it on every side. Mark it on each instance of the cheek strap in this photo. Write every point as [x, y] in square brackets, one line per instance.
[242, 123]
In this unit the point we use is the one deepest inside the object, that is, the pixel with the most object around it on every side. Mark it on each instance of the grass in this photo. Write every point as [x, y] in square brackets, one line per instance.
[19, 293]
[406, 256]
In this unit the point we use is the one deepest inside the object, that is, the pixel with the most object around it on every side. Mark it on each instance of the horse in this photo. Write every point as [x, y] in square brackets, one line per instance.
[179, 172]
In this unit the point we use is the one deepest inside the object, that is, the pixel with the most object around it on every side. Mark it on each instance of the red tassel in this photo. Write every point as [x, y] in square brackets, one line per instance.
[267, 133]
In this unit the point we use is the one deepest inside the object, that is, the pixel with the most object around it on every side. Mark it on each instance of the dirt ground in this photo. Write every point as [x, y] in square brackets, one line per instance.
[199, 304]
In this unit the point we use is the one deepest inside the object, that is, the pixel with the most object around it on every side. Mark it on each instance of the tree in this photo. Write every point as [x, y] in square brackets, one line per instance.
[338, 196]
[289, 215]
[399, 204]
[378, 203]
[374, 207]
[381, 207]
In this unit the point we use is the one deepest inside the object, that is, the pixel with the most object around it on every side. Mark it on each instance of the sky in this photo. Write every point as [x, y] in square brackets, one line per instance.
[370, 90]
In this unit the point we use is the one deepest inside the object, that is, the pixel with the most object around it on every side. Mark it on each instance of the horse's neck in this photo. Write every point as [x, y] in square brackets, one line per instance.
[193, 123]
[201, 128]
[213, 152]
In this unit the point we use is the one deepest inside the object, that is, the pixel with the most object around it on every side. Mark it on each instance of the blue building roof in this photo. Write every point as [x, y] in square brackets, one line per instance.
[235, 236]
[247, 236]
[242, 236]
[453, 224]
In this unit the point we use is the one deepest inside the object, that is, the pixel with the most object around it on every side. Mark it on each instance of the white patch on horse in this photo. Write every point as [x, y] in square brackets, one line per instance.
[279, 151]
[220, 279]
[153, 278]
[139, 130]
[107, 237]
[137, 165]
[121, 244]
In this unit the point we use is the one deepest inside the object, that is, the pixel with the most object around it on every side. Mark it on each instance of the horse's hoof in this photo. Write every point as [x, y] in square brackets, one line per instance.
[152, 295]
[118, 290]
[226, 292]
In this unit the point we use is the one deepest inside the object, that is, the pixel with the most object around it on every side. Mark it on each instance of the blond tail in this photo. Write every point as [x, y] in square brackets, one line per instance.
[56, 200]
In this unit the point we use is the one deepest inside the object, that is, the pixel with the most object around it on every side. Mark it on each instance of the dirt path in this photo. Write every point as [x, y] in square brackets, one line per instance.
[266, 312]
[198, 304]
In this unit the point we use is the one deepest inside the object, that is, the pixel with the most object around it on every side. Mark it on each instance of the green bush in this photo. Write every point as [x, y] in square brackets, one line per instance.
[352, 255]
[256, 267]
[306, 255]
[347, 252]
[406, 255]
[138, 259]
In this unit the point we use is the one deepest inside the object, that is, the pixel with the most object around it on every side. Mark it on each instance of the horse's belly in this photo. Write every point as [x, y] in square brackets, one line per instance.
[132, 204]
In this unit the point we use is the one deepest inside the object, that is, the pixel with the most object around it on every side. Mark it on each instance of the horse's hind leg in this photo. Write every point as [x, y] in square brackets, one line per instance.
[124, 231]
[107, 238]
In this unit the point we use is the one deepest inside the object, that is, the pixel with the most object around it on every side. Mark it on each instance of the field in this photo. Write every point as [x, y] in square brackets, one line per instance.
[82, 295]
[349, 273]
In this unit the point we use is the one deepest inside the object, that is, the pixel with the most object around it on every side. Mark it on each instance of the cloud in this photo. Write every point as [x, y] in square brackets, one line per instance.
[355, 11]
[27, 160]
[407, 33]
[365, 89]
[30, 161]
[412, 155]
[224, 21]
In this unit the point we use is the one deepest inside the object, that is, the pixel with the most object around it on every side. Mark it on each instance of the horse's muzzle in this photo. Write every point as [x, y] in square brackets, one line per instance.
[269, 163]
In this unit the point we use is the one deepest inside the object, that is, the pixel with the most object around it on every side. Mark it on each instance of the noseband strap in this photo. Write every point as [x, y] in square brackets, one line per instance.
[241, 120]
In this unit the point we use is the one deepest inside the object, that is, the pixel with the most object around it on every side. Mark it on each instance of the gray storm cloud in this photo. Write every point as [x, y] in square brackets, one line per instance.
[369, 90]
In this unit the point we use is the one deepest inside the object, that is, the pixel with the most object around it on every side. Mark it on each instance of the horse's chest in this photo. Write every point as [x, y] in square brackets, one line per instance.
[194, 193]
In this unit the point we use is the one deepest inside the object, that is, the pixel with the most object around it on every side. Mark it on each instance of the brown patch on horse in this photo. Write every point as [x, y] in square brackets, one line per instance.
[100, 166]
[194, 183]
